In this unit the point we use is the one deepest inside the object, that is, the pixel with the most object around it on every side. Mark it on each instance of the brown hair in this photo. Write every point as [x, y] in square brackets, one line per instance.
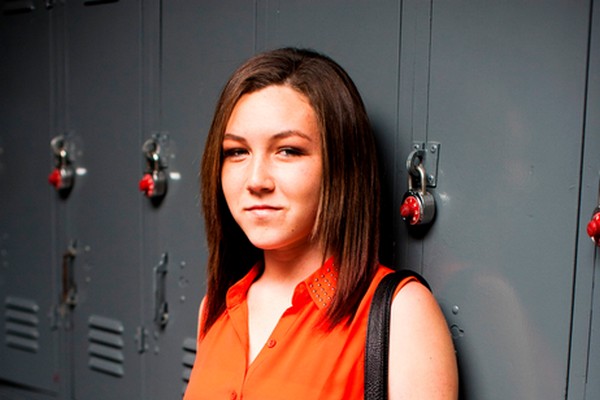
[347, 221]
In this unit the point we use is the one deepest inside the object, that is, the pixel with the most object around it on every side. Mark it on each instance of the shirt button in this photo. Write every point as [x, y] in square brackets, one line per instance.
[271, 343]
[233, 395]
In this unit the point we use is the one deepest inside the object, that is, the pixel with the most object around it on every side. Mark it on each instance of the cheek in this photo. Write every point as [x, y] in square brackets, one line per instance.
[309, 185]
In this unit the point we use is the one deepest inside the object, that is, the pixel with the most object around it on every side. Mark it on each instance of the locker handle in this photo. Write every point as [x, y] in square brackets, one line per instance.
[69, 288]
[161, 307]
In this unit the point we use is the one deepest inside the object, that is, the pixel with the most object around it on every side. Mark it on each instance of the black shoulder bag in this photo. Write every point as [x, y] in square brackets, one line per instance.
[378, 330]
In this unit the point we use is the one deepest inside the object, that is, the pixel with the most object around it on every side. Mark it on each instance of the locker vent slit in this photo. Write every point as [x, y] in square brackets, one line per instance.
[21, 323]
[105, 347]
[98, 2]
[189, 355]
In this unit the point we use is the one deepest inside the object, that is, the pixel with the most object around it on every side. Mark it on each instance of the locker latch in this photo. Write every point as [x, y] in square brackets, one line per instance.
[429, 156]
[154, 182]
[62, 176]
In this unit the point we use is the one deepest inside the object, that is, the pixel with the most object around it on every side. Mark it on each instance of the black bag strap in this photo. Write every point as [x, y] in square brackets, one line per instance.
[378, 329]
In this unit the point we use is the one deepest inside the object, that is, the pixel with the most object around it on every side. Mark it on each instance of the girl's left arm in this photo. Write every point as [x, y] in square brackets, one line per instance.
[422, 362]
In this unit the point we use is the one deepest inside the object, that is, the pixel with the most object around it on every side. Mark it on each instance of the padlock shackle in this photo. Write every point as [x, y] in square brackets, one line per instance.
[422, 175]
[414, 159]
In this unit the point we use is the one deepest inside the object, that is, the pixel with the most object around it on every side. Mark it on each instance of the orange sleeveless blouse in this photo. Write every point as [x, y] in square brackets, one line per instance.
[301, 359]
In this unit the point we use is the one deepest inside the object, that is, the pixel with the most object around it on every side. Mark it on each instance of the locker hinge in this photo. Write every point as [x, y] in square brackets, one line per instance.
[429, 154]
[141, 338]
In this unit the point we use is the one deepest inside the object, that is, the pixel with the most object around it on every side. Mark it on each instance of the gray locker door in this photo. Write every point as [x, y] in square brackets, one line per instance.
[104, 86]
[507, 85]
[584, 373]
[364, 37]
[203, 42]
[591, 171]
[28, 348]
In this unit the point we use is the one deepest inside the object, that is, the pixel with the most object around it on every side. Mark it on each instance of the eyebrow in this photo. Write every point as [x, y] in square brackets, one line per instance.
[279, 135]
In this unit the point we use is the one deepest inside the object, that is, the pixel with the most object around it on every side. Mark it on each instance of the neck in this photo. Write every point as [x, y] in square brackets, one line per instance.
[291, 267]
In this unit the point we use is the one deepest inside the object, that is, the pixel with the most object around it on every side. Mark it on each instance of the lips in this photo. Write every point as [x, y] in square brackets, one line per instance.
[262, 209]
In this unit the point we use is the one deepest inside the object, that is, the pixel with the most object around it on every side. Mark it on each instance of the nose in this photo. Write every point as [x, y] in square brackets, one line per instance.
[260, 179]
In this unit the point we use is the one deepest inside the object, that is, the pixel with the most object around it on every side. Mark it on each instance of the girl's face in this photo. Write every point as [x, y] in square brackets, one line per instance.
[272, 168]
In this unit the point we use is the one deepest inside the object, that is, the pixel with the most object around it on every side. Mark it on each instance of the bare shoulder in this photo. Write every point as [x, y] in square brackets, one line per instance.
[415, 297]
[422, 357]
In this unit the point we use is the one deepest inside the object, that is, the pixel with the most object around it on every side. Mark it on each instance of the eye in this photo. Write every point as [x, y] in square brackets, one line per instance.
[235, 152]
[291, 151]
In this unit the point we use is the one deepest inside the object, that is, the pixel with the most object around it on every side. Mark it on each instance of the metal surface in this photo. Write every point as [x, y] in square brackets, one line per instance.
[584, 371]
[28, 289]
[506, 98]
[103, 88]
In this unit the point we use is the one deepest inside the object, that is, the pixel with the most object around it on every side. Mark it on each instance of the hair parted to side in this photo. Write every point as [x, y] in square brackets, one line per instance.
[347, 221]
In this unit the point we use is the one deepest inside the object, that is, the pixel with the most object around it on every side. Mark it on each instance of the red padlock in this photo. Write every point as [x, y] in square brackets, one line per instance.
[154, 182]
[410, 210]
[418, 205]
[62, 176]
[147, 185]
[55, 179]
[593, 228]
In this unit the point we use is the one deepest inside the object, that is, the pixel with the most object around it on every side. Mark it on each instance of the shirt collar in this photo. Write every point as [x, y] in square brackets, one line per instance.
[320, 286]
[239, 291]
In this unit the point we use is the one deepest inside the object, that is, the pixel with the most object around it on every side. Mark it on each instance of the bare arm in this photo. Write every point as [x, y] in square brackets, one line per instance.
[201, 317]
[422, 359]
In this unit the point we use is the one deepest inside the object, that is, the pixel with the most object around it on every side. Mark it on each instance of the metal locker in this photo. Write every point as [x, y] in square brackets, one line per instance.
[202, 42]
[506, 94]
[104, 113]
[28, 288]
[584, 371]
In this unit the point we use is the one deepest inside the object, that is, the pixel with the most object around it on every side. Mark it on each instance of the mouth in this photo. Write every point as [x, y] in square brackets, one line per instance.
[262, 209]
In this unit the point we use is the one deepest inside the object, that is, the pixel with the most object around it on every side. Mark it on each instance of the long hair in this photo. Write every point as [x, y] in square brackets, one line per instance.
[347, 222]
